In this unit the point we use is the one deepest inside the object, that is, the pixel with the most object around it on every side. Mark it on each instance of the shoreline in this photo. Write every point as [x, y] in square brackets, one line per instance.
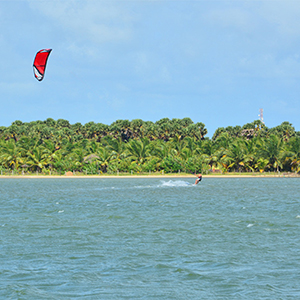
[146, 176]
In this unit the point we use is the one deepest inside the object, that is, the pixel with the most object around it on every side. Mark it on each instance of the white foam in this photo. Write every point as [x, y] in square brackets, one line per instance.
[171, 183]
[60, 211]
[107, 188]
[143, 186]
[250, 225]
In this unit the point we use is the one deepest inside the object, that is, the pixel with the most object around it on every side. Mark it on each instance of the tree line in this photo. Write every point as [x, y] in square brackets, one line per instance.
[142, 146]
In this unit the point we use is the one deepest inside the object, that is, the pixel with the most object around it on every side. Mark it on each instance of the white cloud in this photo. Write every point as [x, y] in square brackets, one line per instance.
[87, 20]
[254, 39]
[256, 17]
[283, 15]
[236, 17]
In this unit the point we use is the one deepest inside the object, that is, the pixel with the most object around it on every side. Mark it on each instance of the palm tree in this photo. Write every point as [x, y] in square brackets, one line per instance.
[104, 156]
[224, 140]
[116, 147]
[294, 153]
[210, 153]
[49, 149]
[202, 129]
[193, 131]
[177, 145]
[285, 130]
[273, 151]
[177, 128]
[150, 130]
[194, 145]
[237, 155]
[61, 123]
[137, 128]
[138, 150]
[11, 154]
[251, 151]
[26, 144]
[92, 147]
[121, 128]
[160, 149]
[261, 164]
[38, 158]
[58, 160]
[78, 155]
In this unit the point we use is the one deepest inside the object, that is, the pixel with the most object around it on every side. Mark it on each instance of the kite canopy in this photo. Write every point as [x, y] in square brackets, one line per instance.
[39, 63]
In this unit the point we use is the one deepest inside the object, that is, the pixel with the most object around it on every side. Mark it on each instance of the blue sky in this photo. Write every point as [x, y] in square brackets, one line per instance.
[216, 62]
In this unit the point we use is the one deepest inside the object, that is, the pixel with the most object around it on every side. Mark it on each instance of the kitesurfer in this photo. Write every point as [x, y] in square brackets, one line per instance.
[199, 178]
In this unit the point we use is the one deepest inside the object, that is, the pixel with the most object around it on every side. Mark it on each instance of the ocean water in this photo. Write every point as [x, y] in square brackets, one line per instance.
[226, 238]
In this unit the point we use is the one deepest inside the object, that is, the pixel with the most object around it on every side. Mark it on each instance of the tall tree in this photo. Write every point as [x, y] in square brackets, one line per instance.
[273, 151]
[11, 154]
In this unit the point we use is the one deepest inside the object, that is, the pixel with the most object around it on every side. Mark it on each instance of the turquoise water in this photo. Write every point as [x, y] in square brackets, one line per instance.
[150, 238]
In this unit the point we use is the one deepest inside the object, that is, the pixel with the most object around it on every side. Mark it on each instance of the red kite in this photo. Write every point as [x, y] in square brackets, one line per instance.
[39, 63]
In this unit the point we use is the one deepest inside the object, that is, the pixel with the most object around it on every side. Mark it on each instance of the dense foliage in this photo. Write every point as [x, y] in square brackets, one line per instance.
[166, 145]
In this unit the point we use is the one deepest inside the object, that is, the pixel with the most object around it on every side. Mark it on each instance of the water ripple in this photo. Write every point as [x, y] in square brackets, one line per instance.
[149, 238]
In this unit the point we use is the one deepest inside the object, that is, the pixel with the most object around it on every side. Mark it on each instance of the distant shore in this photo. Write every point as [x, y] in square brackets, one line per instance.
[170, 176]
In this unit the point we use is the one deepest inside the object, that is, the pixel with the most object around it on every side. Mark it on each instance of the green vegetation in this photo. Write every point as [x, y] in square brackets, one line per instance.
[168, 146]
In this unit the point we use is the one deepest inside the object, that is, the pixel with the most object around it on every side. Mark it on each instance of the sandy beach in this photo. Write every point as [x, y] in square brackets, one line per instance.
[169, 176]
